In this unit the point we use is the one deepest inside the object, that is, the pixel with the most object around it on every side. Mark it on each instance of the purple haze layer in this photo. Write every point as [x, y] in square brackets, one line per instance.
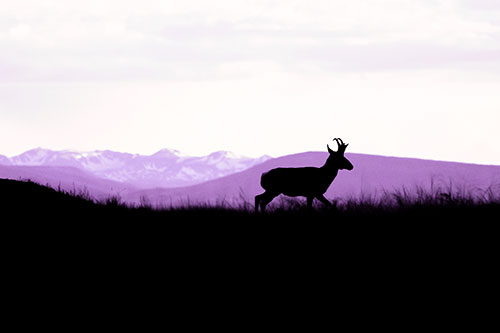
[167, 177]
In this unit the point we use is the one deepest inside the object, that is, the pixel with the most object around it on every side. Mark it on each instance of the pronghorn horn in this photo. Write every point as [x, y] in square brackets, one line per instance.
[338, 143]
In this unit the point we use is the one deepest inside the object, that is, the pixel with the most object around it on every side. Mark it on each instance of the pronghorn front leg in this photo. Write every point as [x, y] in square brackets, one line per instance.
[309, 202]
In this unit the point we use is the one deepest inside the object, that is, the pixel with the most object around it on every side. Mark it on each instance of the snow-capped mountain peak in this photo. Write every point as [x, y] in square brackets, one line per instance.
[168, 153]
[36, 156]
[4, 160]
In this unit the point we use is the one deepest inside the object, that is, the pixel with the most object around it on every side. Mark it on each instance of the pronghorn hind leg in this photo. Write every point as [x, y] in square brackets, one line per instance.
[263, 200]
[258, 199]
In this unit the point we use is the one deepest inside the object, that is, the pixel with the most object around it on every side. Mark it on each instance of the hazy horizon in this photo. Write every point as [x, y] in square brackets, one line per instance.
[402, 78]
[183, 154]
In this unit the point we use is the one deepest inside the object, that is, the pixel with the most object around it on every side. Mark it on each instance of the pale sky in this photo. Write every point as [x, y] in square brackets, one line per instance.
[393, 77]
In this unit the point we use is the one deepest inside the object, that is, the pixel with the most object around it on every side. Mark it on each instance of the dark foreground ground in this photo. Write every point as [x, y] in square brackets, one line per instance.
[427, 254]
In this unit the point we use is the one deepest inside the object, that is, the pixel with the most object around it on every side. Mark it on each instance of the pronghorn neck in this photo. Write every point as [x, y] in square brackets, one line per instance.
[330, 166]
[329, 170]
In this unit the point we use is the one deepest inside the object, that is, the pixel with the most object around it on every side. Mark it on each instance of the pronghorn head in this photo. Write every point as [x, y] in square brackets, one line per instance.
[336, 159]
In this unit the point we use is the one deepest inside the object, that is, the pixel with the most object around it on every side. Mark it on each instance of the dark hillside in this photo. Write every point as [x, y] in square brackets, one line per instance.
[362, 237]
[26, 199]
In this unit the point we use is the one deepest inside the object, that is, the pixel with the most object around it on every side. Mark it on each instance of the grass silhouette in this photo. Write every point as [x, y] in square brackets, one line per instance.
[26, 199]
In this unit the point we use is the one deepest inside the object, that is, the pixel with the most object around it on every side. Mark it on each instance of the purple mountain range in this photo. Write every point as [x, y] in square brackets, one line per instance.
[167, 177]
[166, 168]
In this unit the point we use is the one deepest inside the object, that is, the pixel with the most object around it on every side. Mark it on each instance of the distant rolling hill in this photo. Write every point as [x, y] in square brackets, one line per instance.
[371, 176]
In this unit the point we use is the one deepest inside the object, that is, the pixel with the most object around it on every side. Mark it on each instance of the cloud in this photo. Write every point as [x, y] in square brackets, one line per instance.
[200, 40]
[481, 5]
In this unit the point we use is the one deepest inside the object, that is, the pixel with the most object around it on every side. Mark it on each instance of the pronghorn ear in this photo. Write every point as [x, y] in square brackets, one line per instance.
[329, 150]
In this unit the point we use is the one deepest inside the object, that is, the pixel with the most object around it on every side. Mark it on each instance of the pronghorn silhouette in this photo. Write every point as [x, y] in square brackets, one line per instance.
[309, 182]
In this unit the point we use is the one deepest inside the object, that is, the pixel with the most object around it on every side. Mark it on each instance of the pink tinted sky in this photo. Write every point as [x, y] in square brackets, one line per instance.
[394, 77]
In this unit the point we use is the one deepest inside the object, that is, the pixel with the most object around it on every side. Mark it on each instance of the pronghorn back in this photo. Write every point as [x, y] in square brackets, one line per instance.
[294, 181]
